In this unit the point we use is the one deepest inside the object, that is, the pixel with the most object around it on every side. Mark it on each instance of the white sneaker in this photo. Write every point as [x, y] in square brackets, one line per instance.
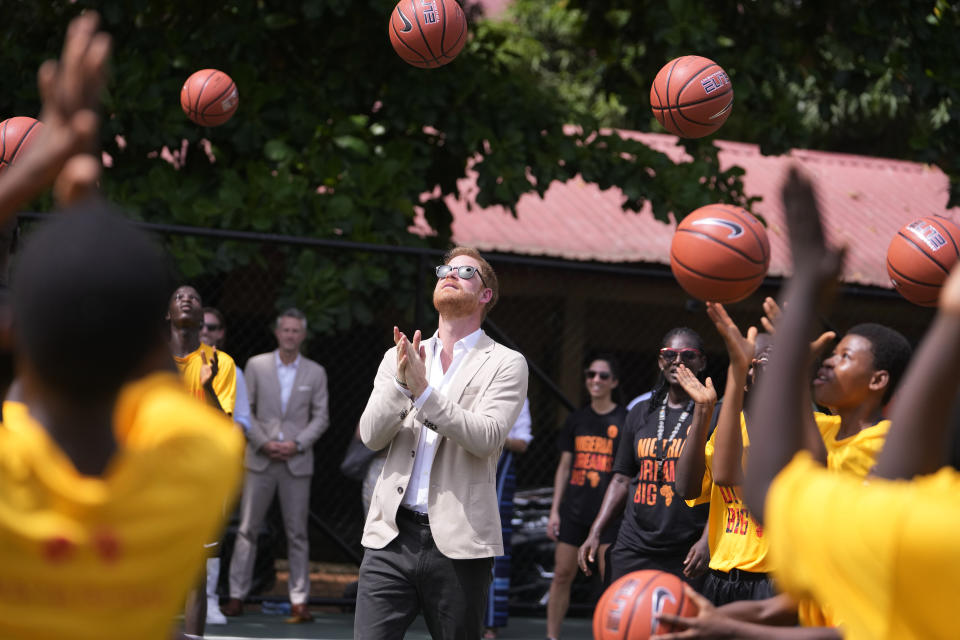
[214, 615]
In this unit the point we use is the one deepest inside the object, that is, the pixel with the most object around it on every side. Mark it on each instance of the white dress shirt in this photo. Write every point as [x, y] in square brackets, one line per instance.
[285, 374]
[521, 428]
[417, 495]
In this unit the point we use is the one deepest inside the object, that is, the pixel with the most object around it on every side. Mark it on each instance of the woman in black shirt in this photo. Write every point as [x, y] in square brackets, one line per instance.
[659, 531]
[587, 446]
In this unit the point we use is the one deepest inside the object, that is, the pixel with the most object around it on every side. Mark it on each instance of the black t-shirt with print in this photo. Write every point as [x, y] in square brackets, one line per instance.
[592, 439]
[656, 519]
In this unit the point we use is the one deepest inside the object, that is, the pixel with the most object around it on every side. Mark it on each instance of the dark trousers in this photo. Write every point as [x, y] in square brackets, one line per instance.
[411, 576]
[722, 587]
[622, 561]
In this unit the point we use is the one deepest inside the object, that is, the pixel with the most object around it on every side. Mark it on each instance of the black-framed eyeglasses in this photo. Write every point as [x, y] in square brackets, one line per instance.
[211, 327]
[688, 355]
[590, 374]
[463, 271]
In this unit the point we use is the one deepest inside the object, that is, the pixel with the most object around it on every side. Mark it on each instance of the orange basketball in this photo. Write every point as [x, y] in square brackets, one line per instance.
[629, 607]
[920, 256]
[720, 253]
[691, 96]
[16, 134]
[427, 33]
[209, 97]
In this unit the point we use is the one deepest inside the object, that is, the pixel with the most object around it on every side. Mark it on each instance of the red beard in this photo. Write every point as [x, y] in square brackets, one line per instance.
[454, 303]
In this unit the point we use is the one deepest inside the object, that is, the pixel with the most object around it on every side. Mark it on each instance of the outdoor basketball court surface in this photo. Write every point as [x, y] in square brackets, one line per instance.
[339, 626]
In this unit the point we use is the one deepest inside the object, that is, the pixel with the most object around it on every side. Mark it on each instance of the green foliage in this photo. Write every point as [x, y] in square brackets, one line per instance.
[336, 137]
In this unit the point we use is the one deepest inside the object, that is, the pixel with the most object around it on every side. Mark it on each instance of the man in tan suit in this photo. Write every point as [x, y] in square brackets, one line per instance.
[288, 401]
[444, 408]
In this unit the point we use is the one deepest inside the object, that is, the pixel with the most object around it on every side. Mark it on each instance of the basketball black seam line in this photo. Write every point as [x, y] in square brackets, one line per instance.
[23, 139]
[907, 278]
[413, 3]
[232, 85]
[463, 31]
[739, 214]
[633, 609]
[705, 124]
[667, 89]
[717, 240]
[674, 258]
[694, 77]
[401, 41]
[443, 29]
[946, 232]
[196, 106]
[924, 253]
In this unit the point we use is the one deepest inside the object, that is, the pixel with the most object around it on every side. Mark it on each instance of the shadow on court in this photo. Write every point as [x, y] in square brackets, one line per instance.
[339, 626]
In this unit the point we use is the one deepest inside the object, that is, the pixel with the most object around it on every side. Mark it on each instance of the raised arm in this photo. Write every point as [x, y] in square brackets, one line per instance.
[920, 420]
[691, 463]
[777, 409]
[70, 91]
[728, 439]
[381, 419]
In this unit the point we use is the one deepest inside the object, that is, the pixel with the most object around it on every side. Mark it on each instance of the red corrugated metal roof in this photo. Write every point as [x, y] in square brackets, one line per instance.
[864, 201]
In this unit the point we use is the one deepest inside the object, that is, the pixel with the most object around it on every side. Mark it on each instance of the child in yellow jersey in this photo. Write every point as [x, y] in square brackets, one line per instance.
[712, 472]
[210, 375]
[883, 554]
[111, 475]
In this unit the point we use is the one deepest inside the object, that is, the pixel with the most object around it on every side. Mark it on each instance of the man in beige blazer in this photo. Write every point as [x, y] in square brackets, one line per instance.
[444, 408]
[288, 404]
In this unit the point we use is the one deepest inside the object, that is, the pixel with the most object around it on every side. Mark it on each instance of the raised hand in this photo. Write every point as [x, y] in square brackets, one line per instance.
[813, 261]
[950, 293]
[208, 370]
[699, 393]
[771, 315]
[740, 348]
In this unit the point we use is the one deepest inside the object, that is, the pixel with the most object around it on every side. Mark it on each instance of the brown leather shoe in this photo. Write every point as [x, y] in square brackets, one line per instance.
[234, 607]
[299, 613]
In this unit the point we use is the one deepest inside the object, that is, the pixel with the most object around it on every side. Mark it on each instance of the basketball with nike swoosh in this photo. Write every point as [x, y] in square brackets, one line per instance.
[720, 253]
[691, 96]
[209, 97]
[628, 609]
[428, 33]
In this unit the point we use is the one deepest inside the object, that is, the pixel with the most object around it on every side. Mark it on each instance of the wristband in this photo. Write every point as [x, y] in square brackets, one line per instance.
[401, 382]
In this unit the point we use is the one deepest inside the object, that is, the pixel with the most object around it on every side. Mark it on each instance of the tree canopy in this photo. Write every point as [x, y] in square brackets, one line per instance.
[337, 137]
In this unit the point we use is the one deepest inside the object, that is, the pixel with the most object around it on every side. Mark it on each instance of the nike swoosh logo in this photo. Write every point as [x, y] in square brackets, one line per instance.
[407, 25]
[659, 599]
[722, 111]
[735, 230]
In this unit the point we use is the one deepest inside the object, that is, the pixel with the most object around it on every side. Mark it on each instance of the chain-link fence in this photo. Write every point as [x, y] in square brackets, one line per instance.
[557, 313]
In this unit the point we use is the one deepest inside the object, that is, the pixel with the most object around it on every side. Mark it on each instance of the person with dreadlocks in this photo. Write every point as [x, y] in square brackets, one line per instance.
[659, 531]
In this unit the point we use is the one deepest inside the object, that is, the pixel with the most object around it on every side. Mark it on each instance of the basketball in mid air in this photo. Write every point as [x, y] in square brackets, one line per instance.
[691, 96]
[428, 33]
[920, 257]
[628, 609]
[16, 135]
[209, 97]
[720, 253]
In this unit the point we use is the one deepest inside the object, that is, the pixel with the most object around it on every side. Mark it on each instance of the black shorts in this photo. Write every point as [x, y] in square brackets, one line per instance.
[721, 587]
[622, 560]
[575, 532]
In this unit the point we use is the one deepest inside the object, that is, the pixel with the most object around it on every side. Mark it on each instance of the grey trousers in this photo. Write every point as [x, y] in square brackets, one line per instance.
[258, 491]
[411, 576]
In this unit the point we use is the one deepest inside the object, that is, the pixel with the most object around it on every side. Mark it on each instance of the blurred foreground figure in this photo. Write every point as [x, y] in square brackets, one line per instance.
[113, 476]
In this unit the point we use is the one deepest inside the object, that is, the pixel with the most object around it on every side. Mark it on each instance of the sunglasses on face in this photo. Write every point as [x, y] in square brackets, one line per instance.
[688, 355]
[211, 327]
[464, 271]
[589, 374]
